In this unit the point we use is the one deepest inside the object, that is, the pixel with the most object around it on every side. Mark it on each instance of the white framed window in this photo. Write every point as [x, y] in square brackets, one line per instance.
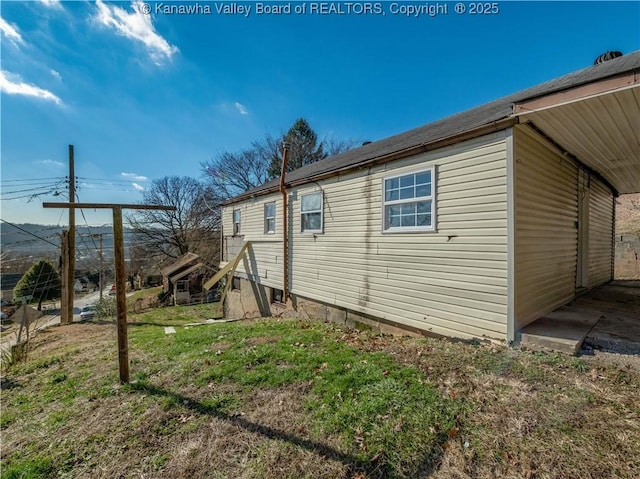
[236, 222]
[311, 212]
[408, 202]
[270, 217]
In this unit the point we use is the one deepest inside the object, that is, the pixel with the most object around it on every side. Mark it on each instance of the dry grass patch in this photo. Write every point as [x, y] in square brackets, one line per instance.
[291, 399]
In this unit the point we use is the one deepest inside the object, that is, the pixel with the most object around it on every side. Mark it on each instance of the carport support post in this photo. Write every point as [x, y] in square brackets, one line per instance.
[121, 277]
[121, 298]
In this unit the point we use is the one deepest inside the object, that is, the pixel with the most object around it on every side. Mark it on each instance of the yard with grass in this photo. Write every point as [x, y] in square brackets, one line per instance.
[284, 398]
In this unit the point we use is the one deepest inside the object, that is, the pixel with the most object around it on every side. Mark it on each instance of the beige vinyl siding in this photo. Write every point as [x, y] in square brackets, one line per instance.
[451, 282]
[600, 233]
[546, 212]
[264, 259]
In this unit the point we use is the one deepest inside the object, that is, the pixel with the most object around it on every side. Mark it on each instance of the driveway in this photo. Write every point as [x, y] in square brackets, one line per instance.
[50, 318]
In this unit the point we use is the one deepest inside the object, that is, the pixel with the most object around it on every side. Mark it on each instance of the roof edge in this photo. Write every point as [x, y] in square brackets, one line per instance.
[482, 130]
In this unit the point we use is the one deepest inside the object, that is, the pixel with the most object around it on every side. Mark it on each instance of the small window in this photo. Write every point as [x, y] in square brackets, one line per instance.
[408, 202]
[235, 283]
[277, 295]
[311, 212]
[236, 222]
[270, 217]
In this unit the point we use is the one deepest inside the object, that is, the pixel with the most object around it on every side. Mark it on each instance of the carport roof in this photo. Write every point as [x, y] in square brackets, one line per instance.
[586, 138]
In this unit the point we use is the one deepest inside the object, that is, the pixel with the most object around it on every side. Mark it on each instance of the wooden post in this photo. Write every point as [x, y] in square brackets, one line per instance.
[72, 238]
[121, 276]
[121, 298]
[64, 279]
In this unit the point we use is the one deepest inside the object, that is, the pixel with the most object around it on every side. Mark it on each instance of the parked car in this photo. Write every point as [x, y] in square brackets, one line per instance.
[3, 316]
[88, 312]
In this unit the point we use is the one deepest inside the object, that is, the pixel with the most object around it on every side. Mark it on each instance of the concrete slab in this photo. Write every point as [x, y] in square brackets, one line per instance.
[607, 317]
[169, 330]
[562, 330]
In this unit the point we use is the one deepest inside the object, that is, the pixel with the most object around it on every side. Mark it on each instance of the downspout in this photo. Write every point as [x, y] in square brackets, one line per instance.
[285, 234]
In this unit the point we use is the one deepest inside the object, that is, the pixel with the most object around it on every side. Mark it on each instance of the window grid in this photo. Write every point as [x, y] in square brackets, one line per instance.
[408, 202]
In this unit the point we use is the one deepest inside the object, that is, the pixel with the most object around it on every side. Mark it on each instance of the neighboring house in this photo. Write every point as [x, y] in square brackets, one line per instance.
[178, 278]
[472, 226]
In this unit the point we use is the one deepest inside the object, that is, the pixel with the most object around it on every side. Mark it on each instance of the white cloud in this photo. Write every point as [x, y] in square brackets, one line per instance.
[138, 187]
[52, 3]
[57, 164]
[134, 176]
[13, 85]
[55, 74]
[10, 32]
[241, 108]
[136, 26]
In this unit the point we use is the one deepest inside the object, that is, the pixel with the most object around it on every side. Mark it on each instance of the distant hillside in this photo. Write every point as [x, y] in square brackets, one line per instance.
[35, 241]
[628, 215]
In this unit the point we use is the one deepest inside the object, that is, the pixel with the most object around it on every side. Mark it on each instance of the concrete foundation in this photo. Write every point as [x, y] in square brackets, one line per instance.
[627, 263]
[253, 300]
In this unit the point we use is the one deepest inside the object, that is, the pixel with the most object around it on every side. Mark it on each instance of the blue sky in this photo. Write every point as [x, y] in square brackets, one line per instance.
[144, 96]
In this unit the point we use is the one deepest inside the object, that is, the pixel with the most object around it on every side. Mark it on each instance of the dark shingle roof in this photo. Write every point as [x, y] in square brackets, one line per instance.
[451, 126]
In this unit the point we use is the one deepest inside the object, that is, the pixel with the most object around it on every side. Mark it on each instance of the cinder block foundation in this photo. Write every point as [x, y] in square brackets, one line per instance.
[254, 300]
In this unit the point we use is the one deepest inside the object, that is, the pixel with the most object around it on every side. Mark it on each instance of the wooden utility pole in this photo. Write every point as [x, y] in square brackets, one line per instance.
[64, 278]
[121, 276]
[100, 285]
[72, 238]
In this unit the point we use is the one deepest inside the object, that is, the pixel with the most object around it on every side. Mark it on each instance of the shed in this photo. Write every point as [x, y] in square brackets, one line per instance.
[472, 226]
[176, 277]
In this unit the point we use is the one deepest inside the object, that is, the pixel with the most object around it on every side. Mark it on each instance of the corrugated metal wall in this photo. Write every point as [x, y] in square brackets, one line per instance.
[600, 233]
[546, 215]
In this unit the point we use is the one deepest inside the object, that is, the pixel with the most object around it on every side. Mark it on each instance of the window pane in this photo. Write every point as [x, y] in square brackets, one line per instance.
[311, 202]
[270, 210]
[408, 220]
[408, 209]
[311, 221]
[391, 195]
[423, 178]
[392, 214]
[391, 184]
[406, 193]
[423, 190]
[271, 225]
[236, 216]
[424, 220]
[424, 206]
[407, 180]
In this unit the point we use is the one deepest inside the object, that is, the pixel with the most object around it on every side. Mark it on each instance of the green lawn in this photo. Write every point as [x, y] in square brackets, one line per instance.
[281, 398]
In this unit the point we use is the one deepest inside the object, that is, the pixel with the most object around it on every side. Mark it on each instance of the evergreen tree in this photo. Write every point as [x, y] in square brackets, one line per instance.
[41, 282]
[303, 148]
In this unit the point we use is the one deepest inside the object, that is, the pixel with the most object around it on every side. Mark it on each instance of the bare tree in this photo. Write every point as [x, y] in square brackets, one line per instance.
[193, 227]
[235, 173]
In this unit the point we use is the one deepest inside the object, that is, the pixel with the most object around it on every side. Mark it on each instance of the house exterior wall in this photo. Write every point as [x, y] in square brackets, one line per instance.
[546, 236]
[263, 262]
[601, 222]
[452, 281]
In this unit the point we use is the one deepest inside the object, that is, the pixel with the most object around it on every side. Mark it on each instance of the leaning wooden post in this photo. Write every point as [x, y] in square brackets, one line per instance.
[121, 297]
